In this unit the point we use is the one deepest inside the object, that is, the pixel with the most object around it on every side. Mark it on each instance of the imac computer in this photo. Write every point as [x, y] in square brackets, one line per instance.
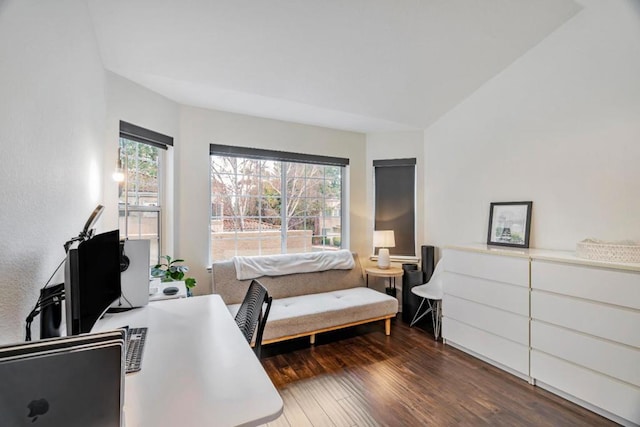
[91, 280]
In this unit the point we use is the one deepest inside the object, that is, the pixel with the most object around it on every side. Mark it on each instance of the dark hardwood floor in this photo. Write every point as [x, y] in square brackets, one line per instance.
[360, 377]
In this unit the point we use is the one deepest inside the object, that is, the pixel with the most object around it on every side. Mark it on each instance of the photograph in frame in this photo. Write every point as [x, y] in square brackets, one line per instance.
[509, 224]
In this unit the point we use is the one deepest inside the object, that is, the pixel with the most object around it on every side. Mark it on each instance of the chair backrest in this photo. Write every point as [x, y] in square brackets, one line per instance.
[250, 317]
[436, 277]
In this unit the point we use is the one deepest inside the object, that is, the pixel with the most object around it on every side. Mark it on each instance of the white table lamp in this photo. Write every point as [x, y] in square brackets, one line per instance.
[383, 239]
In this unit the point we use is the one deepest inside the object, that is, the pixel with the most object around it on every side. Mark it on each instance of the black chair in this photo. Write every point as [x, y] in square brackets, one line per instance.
[250, 316]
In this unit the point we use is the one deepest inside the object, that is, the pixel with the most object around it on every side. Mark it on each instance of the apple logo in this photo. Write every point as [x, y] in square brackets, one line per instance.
[37, 408]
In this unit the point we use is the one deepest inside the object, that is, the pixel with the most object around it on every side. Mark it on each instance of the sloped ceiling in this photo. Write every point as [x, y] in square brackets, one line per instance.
[362, 65]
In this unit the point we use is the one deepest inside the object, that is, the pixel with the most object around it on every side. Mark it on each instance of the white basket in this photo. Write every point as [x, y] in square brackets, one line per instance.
[626, 251]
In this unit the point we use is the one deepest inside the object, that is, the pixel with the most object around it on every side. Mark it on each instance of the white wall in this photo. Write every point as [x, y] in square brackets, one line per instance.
[200, 127]
[560, 127]
[135, 104]
[52, 111]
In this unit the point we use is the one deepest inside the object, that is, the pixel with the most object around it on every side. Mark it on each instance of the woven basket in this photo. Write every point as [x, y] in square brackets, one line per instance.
[626, 251]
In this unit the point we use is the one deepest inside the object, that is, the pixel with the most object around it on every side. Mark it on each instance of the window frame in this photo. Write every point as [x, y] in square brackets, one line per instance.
[136, 134]
[282, 156]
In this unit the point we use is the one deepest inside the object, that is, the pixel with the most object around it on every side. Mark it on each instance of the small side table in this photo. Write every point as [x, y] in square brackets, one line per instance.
[391, 273]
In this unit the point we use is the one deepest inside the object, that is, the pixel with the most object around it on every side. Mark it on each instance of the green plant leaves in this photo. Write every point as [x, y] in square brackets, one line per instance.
[171, 272]
[156, 271]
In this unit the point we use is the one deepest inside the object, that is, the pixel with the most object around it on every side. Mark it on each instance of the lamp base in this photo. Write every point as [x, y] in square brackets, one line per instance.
[383, 258]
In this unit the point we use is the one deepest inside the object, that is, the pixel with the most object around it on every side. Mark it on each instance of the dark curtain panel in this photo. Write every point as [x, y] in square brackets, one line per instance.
[395, 202]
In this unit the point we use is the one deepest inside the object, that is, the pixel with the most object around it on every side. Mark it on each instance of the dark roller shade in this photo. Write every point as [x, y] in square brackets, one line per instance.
[146, 136]
[395, 182]
[282, 156]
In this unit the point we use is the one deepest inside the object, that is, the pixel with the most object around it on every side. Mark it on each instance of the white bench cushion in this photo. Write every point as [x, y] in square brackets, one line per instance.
[312, 312]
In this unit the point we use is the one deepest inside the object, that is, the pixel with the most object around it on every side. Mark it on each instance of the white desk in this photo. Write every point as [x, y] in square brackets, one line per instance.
[197, 368]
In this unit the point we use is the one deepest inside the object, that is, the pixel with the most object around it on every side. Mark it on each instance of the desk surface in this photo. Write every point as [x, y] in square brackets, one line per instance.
[197, 368]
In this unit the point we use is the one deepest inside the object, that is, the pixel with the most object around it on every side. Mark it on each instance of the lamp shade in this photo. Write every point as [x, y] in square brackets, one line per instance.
[384, 239]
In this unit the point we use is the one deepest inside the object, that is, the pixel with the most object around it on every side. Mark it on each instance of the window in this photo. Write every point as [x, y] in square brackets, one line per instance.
[395, 203]
[270, 202]
[140, 201]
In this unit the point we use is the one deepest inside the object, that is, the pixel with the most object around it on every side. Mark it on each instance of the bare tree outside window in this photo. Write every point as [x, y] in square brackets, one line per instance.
[235, 183]
[267, 207]
[139, 195]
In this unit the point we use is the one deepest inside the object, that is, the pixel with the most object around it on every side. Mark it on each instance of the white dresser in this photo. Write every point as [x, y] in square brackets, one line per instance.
[486, 307]
[580, 337]
[585, 334]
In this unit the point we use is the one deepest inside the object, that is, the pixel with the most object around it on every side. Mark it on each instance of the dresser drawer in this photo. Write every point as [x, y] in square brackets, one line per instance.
[616, 397]
[506, 297]
[615, 360]
[616, 324]
[500, 268]
[503, 351]
[498, 322]
[617, 287]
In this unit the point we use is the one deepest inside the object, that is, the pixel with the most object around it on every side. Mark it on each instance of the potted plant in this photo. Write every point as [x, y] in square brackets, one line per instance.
[169, 271]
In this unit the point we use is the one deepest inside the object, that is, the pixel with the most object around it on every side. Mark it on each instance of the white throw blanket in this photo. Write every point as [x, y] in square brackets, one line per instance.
[250, 267]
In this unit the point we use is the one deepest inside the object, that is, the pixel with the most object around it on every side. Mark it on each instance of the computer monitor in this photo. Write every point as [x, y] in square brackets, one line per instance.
[91, 280]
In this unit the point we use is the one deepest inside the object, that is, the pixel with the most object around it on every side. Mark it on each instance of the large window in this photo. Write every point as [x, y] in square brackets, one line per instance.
[266, 202]
[140, 202]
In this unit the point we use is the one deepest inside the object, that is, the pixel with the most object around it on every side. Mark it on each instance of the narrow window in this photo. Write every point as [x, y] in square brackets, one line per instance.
[140, 202]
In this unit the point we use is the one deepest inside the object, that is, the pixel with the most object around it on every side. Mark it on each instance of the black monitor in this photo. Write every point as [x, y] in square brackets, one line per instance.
[91, 280]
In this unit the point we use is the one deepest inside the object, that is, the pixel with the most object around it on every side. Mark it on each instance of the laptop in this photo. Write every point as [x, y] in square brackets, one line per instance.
[75, 381]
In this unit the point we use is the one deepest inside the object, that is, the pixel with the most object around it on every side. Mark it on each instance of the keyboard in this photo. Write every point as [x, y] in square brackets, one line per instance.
[135, 346]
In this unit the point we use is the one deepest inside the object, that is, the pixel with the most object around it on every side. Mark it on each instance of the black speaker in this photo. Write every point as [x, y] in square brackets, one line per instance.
[427, 254]
[414, 277]
[411, 277]
[51, 312]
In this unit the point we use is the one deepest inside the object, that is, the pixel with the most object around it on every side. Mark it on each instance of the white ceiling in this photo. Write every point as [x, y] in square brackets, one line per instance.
[363, 65]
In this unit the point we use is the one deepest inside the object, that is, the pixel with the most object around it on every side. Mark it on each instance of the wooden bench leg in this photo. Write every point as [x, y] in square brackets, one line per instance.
[387, 326]
[312, 339]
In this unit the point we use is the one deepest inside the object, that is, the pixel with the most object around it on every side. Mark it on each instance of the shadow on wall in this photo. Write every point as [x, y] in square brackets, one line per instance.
[18, 300]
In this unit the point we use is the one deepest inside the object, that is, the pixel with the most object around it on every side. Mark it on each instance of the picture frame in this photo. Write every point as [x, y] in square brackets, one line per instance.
[509, 224]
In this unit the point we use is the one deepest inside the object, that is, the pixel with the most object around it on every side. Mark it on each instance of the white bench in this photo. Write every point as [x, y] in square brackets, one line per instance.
[305, 304]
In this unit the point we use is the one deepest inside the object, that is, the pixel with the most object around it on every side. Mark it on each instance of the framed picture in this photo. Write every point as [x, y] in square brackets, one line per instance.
[509, 224]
